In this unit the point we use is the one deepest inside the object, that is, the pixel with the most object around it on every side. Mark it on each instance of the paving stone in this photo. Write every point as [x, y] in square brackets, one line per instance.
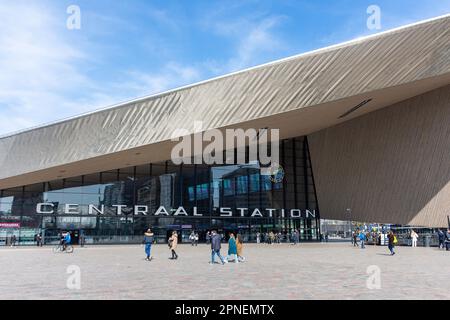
[305, 271]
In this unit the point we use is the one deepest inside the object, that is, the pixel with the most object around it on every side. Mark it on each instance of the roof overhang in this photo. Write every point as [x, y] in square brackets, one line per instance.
[298, 95]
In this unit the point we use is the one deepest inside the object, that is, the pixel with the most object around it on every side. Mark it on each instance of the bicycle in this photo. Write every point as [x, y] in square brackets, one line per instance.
[60, 248]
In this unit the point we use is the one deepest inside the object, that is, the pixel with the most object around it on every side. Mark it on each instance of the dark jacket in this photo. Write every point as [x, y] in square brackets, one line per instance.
[441, 235]
[215, 242]
[391, 239]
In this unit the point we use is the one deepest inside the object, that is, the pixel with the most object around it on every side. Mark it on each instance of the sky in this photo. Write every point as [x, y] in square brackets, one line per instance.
[128, 49]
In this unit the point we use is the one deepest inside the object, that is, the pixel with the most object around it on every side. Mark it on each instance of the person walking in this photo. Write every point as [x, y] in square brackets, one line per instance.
[271, 237]
[362, 239]
[173, 242]
[192, 238]
[232, 249]
[258, 237]
[148, 241]
[297, 236]
[208, 237]
[414, 237]
[355, 237]
[13, 240]
[39, 240]
[239, 245]
[196, 237]
[392, 241]
[215, 247]
[441, 238]
[82, 239]
[266, 238]
[447, 240]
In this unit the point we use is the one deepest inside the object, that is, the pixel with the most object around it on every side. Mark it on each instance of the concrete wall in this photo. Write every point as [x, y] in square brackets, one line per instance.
[389, 166]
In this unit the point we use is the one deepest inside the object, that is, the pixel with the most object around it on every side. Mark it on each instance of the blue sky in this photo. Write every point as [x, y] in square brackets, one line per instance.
[128, 49]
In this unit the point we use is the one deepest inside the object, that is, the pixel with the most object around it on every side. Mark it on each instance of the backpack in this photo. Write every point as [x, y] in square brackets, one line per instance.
[395, 241]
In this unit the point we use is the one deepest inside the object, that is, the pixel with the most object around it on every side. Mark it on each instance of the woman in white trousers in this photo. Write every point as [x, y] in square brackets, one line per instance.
[414, 237]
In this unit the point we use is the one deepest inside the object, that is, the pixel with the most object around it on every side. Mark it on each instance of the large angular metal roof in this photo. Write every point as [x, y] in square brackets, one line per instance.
[299, 95]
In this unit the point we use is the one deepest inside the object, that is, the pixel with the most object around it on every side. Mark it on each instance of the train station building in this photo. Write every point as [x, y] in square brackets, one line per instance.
[364, 135]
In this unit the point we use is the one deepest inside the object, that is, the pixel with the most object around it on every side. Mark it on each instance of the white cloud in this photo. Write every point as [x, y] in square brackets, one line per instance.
[37, 66]
[44, 67]
[254, 37]
[258, 40]
[44, 77]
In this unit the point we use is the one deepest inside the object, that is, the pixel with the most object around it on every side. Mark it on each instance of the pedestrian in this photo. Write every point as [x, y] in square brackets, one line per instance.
[271, 237]
[173, 242]
[326, 237]
[232, 249]
[441, 238]
[208, 237]
[148, 241]
[13, 240]
[447, 240]
[297, 236]
[362, 239]
[39, 240]
[192, 238]
[215, 247]
[82, 239]
[67, 240]
[392, 241]
[355, 237]
[239, 245]
[258, 237]
[414, 237]
[196, 236]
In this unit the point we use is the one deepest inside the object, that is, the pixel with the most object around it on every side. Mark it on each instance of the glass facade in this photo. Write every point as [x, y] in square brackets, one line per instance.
[118, 206]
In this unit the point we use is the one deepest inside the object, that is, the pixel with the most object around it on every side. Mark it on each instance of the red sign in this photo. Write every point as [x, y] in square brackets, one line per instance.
[9, 225]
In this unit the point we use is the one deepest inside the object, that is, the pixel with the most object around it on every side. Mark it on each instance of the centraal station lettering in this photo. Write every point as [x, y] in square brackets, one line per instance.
[49, 208]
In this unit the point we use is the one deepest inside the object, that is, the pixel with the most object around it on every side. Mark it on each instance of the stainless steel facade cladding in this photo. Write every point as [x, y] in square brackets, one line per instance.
[389, 166]
[390, 59]
[205, 188]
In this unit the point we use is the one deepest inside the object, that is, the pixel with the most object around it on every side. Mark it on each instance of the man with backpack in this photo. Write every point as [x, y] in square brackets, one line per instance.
[392, 241]
[362, 239]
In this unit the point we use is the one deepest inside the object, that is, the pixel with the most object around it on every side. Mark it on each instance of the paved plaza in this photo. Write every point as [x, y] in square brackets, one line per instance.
[305, 271]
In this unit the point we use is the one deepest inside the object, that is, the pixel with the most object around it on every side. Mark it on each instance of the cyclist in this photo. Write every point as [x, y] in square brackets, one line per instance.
[67, 240]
